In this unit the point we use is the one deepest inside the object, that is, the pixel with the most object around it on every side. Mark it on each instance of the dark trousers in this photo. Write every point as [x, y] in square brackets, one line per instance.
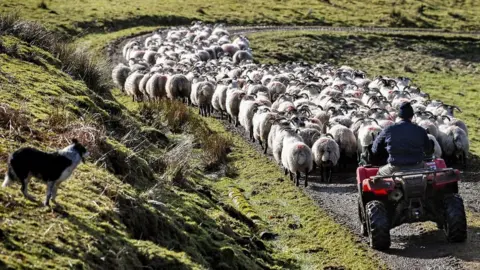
[389, 169]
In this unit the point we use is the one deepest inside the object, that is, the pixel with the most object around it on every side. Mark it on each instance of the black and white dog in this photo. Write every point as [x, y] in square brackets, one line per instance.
[53, 168]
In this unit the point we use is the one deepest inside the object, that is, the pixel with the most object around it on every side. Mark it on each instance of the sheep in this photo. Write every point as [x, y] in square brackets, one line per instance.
[242, 42]
[346, 140]
[247, 108]
[149, 57]
[230, 49]
[454, 143]
[155, 87]
[326, 154]
[241, 56]
[128, 46]
[296, 156]
[366, 136]
[309, 135]
[119, 75]
[143, 83]
[132, 85]
[233, 99]
[262, 124]
[216, 98]
[275, 88]
[456, 122]
[275, 137]
[437, 150]
[204, 96]
[178, 87]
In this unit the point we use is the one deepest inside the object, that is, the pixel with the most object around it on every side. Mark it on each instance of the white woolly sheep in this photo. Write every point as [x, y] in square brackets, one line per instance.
[296, 156]
[326, 154]
[178, 87]
[247, 109]
[205, 92]
[155, 87]
[234, 97]
[346, 142]
[119, 75]
[241, 56]
[454, 143]
[262, 124]
[132, 85]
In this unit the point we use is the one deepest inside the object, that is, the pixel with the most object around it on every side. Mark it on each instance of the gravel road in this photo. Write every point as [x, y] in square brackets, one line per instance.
[414, 246]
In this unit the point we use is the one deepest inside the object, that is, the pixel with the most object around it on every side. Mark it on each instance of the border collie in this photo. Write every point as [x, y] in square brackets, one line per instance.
[53, 168]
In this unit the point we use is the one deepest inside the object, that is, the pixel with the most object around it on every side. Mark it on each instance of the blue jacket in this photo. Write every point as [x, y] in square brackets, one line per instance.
[406, 143]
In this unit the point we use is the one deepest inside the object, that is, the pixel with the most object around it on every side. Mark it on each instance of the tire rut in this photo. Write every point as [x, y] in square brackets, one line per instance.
[414, 246]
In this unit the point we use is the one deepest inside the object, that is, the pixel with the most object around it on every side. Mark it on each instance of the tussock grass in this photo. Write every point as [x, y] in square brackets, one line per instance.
[179, 118]
[77, 62]
[15, 121]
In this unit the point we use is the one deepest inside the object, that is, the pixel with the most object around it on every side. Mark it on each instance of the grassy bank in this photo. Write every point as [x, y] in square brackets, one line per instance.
[105, 16]
[445, 67]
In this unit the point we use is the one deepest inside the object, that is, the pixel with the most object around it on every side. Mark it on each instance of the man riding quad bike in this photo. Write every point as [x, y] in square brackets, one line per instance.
[411, 187]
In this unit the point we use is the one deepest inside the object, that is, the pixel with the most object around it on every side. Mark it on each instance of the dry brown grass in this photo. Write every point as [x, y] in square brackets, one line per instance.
[16, 121]
[179, 118]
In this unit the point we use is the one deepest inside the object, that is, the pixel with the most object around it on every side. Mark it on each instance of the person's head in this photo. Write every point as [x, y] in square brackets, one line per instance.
[406, 111]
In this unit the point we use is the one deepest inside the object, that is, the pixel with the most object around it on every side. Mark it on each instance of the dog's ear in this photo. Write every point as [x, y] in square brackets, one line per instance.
[75, 141]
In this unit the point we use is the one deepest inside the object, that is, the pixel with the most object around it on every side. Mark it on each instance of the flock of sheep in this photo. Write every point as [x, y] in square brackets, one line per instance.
[308, 115]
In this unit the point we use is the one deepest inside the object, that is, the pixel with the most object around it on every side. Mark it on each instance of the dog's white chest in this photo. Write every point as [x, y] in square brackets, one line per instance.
[66, 173]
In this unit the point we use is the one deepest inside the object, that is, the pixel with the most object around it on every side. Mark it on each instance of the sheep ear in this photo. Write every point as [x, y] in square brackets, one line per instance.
[75, 141]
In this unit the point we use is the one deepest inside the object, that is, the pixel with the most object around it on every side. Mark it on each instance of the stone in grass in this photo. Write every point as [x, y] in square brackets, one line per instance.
[265, 235]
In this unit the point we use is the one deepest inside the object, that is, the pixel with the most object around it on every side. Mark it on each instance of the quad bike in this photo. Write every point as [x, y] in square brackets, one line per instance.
[427, 194]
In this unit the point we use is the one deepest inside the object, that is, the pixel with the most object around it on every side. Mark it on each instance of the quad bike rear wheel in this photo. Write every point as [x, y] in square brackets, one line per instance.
[455, 226]
[378, 226]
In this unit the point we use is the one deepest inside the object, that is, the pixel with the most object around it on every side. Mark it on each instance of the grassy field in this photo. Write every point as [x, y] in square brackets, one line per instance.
[445, 67]
[106, 15]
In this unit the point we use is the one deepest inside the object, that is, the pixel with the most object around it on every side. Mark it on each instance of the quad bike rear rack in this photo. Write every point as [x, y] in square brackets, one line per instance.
[415, 172]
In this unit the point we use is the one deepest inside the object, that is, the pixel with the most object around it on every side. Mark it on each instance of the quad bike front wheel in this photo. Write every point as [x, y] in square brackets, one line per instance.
[378, 226]
[455, 226]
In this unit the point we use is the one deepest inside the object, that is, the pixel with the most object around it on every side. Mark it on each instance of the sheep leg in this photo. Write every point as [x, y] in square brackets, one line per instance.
[260, 142]
[291, 176]
[321, 174]
[266, 147]
[328, 174]
[297, 180]
[229, 118]
[251, 135]
[285, 171]
[306, 177]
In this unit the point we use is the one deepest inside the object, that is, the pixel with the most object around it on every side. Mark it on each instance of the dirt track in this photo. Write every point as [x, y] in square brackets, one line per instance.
[414, 246]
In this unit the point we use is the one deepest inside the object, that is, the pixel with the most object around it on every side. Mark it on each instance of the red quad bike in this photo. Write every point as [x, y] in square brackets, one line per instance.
[428, 194]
